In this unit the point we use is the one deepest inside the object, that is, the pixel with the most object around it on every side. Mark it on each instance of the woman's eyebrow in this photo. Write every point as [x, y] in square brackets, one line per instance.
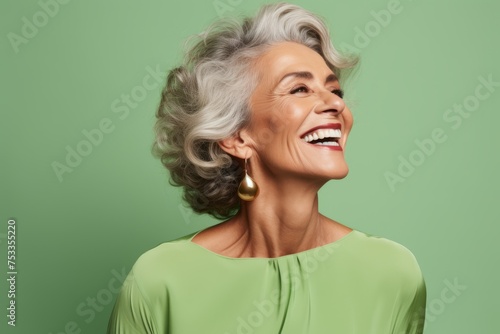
[302, 75]
[307, 75]
[331, 78]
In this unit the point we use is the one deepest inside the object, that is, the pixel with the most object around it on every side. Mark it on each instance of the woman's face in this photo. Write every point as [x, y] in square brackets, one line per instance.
[297, 112]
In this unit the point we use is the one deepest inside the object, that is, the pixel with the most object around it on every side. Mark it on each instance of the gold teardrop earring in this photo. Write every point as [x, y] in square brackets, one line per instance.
[247, 189]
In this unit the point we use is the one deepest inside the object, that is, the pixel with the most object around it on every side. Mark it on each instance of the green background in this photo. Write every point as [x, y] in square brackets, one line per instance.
[76, 233]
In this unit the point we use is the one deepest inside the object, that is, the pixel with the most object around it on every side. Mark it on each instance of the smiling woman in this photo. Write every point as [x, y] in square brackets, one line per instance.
[309, 99]
[252, 125]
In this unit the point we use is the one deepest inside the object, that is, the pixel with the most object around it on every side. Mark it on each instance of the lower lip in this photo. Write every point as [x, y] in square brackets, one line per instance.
[328, 147]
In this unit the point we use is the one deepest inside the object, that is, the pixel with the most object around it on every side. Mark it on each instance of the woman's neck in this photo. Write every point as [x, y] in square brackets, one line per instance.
[282, 220]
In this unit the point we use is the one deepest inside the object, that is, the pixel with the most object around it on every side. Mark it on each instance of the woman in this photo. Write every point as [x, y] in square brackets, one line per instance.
[252, 126]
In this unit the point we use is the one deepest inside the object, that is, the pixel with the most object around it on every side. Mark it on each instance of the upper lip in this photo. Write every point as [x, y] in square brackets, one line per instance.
[324, 126]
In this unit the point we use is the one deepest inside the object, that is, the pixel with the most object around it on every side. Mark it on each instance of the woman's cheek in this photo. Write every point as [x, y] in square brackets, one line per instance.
[348, 119]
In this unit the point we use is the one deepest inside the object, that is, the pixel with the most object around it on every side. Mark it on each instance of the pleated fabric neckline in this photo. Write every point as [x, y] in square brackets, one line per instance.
[332, 244]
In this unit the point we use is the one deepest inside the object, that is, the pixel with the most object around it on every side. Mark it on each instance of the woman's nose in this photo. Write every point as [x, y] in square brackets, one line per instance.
[330, 102]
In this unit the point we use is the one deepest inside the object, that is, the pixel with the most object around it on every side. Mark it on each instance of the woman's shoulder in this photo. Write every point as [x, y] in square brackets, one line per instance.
[387, 258]
[164, 252]
[384, 248]
[367, 245]
[156, 265]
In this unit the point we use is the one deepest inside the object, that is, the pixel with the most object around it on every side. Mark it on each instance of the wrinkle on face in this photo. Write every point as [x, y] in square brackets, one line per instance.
[278, 117]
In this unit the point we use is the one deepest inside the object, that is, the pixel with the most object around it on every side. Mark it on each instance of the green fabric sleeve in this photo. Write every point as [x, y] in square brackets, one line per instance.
[411, 315]
[132, 312]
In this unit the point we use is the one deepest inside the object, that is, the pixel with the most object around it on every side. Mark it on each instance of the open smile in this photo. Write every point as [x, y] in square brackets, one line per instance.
[324, 136]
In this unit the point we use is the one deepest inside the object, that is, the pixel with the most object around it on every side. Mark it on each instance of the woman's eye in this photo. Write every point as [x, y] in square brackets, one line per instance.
[338, 92]
[301, 89]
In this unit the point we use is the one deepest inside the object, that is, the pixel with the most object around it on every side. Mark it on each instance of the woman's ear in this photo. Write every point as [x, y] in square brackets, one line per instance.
[237, 145]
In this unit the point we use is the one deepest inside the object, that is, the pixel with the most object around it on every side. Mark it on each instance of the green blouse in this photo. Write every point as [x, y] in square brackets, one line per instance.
[359, 284]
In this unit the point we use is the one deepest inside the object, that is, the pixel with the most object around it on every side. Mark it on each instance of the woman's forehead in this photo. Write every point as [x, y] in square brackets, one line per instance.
[289, 57]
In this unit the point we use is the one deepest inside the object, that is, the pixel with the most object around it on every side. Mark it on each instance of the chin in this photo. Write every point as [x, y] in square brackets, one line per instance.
[340, 175]
[338, 172]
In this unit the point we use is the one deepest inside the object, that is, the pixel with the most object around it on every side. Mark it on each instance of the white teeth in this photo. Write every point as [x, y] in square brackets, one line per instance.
[328, 143]
[323, 133]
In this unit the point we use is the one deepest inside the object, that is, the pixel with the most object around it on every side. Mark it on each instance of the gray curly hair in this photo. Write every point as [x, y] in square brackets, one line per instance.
[207, 100]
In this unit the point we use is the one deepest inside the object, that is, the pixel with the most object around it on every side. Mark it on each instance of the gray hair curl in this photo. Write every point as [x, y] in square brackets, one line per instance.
[207, 100]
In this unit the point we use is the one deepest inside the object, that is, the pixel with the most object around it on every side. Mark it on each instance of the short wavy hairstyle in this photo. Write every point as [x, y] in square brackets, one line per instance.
[206, 99]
